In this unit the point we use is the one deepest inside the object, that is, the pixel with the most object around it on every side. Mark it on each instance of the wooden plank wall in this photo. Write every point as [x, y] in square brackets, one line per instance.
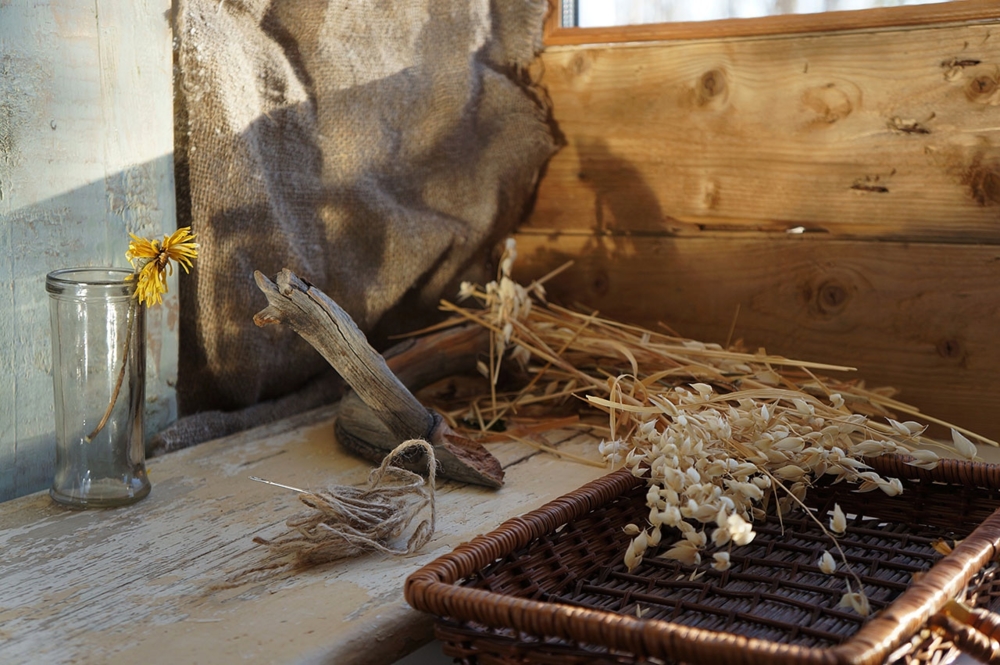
[86, 156]
[841, 191]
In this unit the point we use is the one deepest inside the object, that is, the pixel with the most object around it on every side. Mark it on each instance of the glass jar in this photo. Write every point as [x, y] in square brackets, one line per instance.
[99, 379]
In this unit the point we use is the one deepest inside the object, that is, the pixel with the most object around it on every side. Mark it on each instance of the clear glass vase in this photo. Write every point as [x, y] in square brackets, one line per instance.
[99, 379]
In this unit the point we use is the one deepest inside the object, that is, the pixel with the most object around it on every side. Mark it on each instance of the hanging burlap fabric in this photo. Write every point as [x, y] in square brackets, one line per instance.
[377, 148]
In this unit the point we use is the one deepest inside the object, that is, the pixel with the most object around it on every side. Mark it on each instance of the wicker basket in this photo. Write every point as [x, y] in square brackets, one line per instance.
[550, 586]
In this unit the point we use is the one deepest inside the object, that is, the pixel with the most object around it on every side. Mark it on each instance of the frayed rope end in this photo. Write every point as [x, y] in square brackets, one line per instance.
[349, 521]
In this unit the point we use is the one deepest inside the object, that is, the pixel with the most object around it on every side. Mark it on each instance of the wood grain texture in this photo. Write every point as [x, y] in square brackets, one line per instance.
[919, 317]
[869, 19]
[890, 134]
[134, 584]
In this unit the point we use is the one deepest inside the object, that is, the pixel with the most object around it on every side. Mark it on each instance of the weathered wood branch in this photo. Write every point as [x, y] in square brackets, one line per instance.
[384, 413]
[331, 331]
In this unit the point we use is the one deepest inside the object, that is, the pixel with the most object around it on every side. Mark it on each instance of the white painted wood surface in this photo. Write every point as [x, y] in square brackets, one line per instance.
[134, 584]
[86, 156]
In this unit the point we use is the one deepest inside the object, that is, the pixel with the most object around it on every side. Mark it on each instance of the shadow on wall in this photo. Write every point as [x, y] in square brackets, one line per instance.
[622, 197]
[60, 232]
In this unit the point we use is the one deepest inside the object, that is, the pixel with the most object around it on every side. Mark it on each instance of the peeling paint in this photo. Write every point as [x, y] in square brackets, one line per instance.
[16, 91]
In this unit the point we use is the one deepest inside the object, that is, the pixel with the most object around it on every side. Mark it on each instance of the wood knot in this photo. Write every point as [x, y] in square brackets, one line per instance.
[713, 83]
[711, 86]
[831, 297]
[601, 283]
[982, 89]
[986, 187]
[982, 85]
[982, 176]
[580, 64]
[827, 295]
[829, 103]
[950, 348]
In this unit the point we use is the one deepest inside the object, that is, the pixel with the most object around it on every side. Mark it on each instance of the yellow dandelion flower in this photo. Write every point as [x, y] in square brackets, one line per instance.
[151, 284]
[152, 262]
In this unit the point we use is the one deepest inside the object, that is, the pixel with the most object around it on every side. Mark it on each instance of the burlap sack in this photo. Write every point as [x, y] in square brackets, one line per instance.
[374, 147]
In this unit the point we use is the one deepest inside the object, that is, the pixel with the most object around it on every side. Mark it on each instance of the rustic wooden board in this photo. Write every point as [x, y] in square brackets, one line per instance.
[888, 134]
[133, 584]
[919, 317]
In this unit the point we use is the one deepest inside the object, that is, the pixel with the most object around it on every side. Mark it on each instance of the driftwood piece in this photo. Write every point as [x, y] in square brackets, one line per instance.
[417, 363]
[386, 413]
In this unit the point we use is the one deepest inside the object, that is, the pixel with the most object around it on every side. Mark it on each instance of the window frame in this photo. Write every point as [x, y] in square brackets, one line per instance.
[957, 11]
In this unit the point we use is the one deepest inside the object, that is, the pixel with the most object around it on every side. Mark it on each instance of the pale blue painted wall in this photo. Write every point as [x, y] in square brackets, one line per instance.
[86, 140]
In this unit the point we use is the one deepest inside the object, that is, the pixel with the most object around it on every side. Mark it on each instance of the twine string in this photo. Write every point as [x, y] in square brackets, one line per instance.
[345, 521]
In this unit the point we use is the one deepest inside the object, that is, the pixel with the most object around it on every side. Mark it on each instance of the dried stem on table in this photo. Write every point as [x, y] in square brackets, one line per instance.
[130, 315]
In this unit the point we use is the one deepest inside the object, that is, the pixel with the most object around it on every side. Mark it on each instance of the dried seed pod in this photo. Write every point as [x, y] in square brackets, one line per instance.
[827, 564]
[838, 522]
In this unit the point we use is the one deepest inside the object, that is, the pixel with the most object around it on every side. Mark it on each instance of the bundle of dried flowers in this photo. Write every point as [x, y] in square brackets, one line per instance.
[719, 434]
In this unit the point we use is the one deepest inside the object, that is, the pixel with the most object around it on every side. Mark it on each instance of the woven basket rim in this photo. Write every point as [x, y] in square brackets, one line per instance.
[433, 588]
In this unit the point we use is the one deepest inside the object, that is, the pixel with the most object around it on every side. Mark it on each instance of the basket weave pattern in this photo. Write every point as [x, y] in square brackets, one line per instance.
[551, 586]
